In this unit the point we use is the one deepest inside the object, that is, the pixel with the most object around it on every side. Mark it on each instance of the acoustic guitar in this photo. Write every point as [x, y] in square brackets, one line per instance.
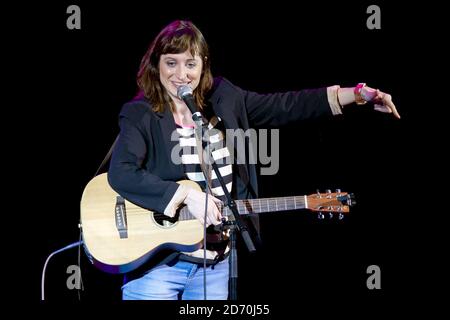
[120, 236]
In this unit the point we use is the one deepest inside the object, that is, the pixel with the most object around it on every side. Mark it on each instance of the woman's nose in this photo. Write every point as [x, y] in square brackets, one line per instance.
[181, 72]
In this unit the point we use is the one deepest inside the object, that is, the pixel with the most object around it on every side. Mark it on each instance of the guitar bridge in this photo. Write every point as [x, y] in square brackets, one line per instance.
[121, 217]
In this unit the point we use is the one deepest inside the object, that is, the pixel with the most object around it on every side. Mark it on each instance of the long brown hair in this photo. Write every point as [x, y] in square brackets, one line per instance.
[178, 37]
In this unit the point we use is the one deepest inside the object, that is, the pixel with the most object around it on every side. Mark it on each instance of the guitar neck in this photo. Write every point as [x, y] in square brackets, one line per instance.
[255, 206]
[262, 205]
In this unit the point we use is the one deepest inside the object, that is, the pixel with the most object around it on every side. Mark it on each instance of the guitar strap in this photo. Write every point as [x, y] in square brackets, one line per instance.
[108, 155]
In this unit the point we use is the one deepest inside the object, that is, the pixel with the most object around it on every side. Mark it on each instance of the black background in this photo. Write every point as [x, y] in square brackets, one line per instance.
[72, 84]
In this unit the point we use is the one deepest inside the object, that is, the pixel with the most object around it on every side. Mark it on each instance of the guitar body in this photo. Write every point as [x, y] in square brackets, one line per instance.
[144, 235]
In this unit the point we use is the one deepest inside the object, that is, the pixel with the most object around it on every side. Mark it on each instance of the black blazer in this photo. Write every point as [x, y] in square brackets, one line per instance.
[141, 169]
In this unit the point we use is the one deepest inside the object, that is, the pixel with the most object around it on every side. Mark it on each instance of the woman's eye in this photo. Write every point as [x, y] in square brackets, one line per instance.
[171, 63]
[192, 65]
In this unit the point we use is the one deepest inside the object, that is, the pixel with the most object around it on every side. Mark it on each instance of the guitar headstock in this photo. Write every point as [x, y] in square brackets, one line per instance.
[331, 202]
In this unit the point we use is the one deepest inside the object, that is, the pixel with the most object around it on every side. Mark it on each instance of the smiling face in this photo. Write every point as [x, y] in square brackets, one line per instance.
[176, 69]
[179, 55]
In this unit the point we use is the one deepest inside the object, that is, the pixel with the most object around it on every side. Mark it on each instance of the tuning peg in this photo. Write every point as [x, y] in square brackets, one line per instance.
[340, 216]
[330, 215]
[351, 199]
[318, 193]
[338, 190]
[320, 215]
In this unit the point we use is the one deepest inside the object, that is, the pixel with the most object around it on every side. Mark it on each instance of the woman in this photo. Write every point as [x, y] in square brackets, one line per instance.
[157, 121]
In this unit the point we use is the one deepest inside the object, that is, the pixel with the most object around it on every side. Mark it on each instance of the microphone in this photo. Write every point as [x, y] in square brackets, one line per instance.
[185, 93]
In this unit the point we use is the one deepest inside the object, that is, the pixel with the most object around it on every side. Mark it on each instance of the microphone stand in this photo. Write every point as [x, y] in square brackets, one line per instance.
[235, 221]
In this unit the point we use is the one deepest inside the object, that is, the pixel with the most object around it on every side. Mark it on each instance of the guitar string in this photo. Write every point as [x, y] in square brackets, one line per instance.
[293, 202]
[256, 206]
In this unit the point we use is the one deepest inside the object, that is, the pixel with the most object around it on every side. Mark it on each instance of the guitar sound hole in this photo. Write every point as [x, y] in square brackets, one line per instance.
[163, 220]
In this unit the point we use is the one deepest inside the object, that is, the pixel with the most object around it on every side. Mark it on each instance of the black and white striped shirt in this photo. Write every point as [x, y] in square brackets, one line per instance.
[220, 152]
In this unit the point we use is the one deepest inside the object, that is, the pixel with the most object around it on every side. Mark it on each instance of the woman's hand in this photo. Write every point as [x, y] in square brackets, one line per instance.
[382, 101]
[195, 201]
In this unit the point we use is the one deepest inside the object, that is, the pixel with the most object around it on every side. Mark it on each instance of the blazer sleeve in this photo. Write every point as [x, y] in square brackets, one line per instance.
[126, 174]
[278, 109]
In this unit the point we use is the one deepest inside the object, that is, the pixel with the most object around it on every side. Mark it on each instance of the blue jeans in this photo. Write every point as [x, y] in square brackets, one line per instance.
[183, 280]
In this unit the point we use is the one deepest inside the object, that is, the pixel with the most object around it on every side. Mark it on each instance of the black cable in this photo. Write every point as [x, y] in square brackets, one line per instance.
[204, 244]
[208, 187]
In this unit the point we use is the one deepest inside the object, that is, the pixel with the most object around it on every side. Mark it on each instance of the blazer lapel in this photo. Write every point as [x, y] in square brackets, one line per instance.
[167, 128]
